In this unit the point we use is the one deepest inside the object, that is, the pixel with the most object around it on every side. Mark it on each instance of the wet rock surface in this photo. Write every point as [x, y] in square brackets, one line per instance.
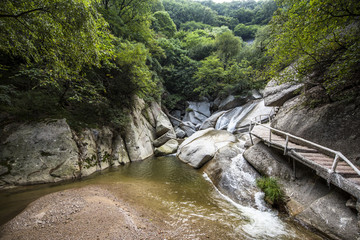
[233, 175]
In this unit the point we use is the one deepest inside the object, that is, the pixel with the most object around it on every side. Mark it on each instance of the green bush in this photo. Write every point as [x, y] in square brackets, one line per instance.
[273, 192]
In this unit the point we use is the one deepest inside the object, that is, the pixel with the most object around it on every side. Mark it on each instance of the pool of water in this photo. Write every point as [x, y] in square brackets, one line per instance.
[184, 197]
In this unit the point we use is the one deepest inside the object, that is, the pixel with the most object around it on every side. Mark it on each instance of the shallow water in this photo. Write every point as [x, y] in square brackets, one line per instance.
[185, 197]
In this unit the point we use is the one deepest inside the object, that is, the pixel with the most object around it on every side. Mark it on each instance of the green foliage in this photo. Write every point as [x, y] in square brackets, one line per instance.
[131, 59]
[182, 11]
[61, 35]
[199, 43]
[237, 78]
[177, 71]
[245, 32]
[320, 38]
[273, 192]
[192, 26]
[164, 24]
[228, 46]
[208, 76]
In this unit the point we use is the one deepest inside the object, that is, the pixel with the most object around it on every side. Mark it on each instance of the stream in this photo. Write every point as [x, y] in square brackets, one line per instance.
[185, 197]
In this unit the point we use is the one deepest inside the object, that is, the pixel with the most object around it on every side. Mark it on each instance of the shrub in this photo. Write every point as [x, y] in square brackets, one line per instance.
[273, 192]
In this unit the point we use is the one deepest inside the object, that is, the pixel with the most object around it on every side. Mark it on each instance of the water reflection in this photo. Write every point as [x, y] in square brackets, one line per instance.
[188, 202]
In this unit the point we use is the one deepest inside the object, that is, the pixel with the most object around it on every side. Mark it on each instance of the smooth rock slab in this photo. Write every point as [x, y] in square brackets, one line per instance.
[169, 147]
[202, 146]
[38, 153]
[276, 94]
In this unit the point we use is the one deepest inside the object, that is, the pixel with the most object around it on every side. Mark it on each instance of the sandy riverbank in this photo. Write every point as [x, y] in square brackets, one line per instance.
[87, 213]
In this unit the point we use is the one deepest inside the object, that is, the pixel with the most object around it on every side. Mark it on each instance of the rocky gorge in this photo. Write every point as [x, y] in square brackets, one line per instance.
[50, 151]
[217, 143]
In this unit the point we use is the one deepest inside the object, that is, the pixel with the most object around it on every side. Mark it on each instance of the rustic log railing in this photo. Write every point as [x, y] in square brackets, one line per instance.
[288, 137]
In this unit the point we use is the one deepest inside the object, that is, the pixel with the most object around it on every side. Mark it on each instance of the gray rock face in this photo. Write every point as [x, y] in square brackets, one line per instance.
[267, 162]
[276, 94]
[139, 134]
[119, 153]
[331, 216]
[168, 148]
[259, 109]
[333, 125]
[164, 138]
[188, 128]
[44, 152]
[234, 117]
[38, 153]
[211, 121]
[180, 133]
[163, 124]
[202, 146]
[197, 112]
[311, 201]
[232, 102]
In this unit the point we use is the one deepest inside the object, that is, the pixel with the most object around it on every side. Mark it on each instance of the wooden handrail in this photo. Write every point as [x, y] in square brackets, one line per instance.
[288, 136]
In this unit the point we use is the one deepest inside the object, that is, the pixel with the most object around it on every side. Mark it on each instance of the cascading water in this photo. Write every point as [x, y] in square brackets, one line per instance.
[237, 118]
[231, 118]
[223, 121]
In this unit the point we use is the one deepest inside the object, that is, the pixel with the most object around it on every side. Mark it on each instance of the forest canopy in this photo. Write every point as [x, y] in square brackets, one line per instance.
[85, 59]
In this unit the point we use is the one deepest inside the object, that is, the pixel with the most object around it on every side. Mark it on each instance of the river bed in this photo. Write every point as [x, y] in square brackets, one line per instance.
[182, 198]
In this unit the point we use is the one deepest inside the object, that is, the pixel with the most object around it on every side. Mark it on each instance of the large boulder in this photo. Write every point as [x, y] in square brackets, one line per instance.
[276, 94]
[331, 216]
[267, 162]
[309, 198]
[164, 138]
[168, 148]
[202, 146]
[335, 125]
[38, 153]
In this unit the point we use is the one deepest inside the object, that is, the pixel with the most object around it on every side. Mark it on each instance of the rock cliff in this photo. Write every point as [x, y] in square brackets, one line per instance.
[49, 151]
[334, 125]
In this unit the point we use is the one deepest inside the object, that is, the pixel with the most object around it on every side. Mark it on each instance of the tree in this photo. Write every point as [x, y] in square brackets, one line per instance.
[62, 36]
[209, 76]
[228, 46]
[164, 24]
[129, 19]
[199, 44]
[246, 32]
[320, 38]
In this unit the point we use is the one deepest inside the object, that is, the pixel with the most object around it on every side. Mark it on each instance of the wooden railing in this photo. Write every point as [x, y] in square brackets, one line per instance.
[337, 155]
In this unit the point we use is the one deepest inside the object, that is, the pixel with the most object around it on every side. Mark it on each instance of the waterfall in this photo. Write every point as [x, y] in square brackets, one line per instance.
[231, 118]
[237, 118]
[224, 120]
